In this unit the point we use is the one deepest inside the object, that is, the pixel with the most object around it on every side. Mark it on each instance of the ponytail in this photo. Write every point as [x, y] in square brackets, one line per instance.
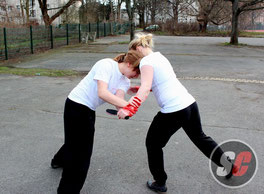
[141, 39]
[133, 57]
[120, 58]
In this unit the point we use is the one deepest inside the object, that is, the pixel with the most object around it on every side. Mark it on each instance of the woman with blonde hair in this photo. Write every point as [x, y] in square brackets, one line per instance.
[178, 109]
[107, 81]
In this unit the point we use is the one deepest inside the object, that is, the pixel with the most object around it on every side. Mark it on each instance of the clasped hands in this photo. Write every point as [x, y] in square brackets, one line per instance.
[130, 109]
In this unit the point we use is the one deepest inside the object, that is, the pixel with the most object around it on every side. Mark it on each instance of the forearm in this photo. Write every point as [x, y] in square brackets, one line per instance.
[112, 99]
[143, 92]
[146, 83]
[120, 94]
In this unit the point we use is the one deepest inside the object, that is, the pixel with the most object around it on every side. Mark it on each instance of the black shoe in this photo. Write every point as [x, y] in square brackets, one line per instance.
[155, 187]
[55, 165]
[234, 169]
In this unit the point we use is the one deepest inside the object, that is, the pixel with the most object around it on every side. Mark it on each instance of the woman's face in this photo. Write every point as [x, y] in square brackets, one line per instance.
[130, 72]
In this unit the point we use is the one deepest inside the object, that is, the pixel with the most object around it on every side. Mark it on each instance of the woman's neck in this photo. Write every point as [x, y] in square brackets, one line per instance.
[121, 67]
[147, 51]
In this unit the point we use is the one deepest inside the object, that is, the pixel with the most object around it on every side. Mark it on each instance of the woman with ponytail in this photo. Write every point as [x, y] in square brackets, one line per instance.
[178, 109]
[107, 81]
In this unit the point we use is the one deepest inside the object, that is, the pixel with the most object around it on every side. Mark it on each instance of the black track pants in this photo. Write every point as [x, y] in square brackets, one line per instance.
[76, 152]
[164, 126]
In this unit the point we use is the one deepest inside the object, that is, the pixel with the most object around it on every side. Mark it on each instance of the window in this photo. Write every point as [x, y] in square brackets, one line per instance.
[32, 13]
[10, 8]
[31, 3]
[18, 6]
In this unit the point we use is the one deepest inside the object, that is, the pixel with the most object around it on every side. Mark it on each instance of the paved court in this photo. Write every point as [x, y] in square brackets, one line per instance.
[227, 82]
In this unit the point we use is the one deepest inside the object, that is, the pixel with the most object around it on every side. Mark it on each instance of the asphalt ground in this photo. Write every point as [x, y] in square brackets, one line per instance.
[227, 82]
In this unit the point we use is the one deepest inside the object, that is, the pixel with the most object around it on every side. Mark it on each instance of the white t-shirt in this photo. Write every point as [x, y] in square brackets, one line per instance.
[170, 94]
[105, 70]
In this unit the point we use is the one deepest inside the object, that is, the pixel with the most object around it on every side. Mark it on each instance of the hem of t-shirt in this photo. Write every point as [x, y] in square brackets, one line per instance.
[176, 108]
[80, 102]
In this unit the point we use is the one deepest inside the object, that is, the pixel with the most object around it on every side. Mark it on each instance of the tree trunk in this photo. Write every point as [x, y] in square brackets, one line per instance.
[235, 14]
[175, 16]
[141, 20]
[130, 16]
[27, 10]
[118, 13]
[5, 9]
[22, 11]
[204, 26]
[111, 17]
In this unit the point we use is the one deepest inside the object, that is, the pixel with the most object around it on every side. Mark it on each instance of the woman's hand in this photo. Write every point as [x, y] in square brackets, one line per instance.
[133, 90]
[127, 111]
[122, 113]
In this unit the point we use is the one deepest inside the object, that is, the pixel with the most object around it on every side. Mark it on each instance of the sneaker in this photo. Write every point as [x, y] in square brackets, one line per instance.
[234, 169]
[55, 165]
[155, 187]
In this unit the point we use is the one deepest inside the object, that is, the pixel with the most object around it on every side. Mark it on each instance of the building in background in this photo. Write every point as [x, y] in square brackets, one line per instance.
[11, 11]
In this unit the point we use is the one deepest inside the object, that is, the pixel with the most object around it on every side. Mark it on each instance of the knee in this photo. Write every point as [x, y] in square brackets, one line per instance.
[154, 144]
[201, 138]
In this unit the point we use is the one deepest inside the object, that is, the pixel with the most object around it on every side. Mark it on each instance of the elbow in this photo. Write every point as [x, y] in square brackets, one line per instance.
[101, 94]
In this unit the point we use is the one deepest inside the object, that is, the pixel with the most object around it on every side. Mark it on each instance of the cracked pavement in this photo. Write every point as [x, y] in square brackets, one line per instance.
[227, 83]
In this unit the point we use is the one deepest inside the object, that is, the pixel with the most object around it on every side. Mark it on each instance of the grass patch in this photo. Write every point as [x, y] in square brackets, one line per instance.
[252, 34]
[124, 42]
[161, 33]
[38, 72]
[228, 44]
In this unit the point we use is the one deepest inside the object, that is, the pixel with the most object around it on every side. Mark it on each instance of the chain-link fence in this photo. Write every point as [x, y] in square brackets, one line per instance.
[20, 41]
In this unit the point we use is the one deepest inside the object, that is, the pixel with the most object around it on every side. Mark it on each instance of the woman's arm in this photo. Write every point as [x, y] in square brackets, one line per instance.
[107, 96]
[146, 82]
[120, 94]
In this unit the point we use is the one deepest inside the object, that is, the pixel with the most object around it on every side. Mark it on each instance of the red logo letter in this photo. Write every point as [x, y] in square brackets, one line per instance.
[243, 157]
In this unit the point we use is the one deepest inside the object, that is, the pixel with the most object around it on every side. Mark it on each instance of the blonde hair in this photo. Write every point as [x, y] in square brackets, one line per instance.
[133, 57]
[141, 39]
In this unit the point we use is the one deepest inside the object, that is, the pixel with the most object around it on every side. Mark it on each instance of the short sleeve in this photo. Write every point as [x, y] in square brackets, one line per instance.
[145, 61]
[103, 71]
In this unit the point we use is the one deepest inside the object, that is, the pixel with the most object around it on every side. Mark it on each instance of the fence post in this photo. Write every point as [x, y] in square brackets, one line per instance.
[97, 31]
[31, 40]
[89, 25]
[104, 30]
[110, 28]
[67, 33]
[80, 33]
[51, 37]
[5, 42]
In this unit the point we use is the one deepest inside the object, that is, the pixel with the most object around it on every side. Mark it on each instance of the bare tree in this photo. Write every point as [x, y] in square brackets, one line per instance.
[140, 6]
[153, 7]
[210, 11]
[119, 3]
[4, 7]
[22, 11]
[130, 12]
[71, 15]
[239, 7]
[44, 10]
[178, 7]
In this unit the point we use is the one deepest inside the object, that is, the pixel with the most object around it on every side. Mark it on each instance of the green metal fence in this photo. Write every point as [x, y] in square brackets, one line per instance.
[20, 41]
